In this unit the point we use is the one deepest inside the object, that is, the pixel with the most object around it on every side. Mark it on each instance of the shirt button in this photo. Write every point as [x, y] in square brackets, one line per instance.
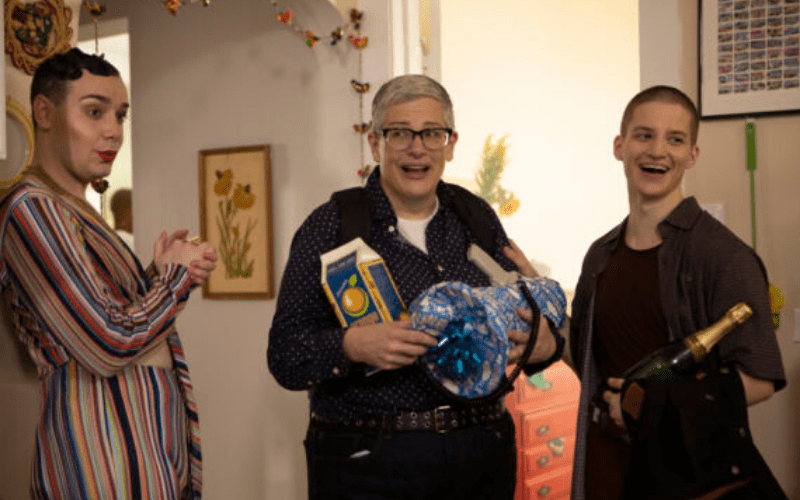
[336, 370]
[391, 229]
[440, 268]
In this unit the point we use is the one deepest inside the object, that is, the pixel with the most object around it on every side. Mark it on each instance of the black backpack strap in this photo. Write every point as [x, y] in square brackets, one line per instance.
[355, 209]
[469, 208]
[355, 214]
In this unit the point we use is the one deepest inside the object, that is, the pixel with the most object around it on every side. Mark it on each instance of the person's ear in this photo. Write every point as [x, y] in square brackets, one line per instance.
[618, 147]
[694, 155]
[43, 112]
[374, 145]
[451, 144]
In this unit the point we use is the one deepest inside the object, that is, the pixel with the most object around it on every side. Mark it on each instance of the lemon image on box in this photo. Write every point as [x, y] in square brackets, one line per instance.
[355, 300]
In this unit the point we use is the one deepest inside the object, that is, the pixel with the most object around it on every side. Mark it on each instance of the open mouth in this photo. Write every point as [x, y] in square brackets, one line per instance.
[107, 155]
[415, 169]
[654, 169]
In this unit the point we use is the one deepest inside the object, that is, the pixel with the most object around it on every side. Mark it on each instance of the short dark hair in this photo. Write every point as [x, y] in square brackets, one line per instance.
[667, 94]
[53, 75]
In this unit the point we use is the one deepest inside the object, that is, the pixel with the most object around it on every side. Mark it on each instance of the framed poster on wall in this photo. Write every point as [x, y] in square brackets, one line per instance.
[748, 55]
[236, 217]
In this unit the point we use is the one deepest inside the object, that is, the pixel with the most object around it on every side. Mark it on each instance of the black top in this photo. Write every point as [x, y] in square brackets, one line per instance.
[703, 270]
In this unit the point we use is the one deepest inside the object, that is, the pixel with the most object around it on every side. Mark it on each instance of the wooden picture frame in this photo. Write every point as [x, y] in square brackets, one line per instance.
[236, 217]
[748, 54]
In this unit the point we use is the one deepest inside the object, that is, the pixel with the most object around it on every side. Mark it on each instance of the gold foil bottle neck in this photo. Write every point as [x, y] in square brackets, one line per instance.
[702, 341]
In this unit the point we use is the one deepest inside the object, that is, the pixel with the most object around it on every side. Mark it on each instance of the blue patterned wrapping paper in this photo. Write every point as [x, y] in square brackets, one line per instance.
[472, 326]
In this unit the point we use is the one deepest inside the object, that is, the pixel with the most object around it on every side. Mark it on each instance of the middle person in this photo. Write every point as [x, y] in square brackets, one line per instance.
[361, 442]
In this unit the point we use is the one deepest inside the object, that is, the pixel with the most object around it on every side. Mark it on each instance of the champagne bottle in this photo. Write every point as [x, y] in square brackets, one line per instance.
[668, 361]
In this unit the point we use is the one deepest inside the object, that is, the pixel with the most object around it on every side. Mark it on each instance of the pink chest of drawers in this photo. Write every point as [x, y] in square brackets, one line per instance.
[545, 418]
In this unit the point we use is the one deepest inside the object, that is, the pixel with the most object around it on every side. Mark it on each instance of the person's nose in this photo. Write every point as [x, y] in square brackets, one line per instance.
[416, 146]
[657, 148]
[113, 130]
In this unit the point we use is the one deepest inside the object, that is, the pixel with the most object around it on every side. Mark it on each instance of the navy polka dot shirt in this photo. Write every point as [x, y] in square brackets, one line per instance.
[305, 341]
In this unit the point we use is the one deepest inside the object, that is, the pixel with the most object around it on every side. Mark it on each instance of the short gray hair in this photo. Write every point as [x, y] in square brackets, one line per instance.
[407, 88]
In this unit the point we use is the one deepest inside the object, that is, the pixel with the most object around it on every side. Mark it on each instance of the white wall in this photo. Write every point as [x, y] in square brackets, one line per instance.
[554, 76]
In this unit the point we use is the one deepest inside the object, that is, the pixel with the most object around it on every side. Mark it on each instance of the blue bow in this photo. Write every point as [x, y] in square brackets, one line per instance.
[457, 355]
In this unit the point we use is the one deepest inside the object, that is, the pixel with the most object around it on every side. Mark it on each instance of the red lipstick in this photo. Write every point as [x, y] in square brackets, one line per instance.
[107, 155]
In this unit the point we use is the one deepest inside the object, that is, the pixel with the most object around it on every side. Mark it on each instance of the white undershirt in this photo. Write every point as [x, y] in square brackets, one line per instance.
[414, 230]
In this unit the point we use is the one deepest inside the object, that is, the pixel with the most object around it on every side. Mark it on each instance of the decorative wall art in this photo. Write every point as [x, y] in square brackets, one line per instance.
[236, 217]
[748, 55]
[36, 31]
[19, 143]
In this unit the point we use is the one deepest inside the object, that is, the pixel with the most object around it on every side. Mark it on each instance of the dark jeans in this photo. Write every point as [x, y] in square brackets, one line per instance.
[369, 464]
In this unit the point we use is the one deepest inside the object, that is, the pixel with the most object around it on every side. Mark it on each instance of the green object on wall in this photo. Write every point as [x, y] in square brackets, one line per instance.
[750, 132]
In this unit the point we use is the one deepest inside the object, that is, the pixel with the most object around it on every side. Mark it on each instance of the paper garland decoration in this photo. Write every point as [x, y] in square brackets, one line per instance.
[285, 17]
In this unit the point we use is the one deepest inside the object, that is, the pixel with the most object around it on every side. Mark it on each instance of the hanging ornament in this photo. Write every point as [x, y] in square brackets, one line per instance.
[172, 6]
[336, 35]
[358, 42]
[284, 17]
[355, 18]
[775, 304]
[364, 173]
[362, 128]
[311, 39]
[100, 185]
[359, 87]
[95, 9]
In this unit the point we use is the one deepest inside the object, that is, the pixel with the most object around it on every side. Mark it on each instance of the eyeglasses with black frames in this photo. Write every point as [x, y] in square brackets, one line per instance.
[399, 139]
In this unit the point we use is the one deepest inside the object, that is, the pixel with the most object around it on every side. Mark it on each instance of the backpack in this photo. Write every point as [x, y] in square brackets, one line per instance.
[355, 209]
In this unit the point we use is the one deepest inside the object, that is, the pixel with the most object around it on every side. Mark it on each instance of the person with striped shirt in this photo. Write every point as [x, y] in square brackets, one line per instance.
[118, 417]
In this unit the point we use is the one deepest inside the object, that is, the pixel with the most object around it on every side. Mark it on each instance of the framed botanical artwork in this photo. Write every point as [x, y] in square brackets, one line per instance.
[236, 217]
[748, 55]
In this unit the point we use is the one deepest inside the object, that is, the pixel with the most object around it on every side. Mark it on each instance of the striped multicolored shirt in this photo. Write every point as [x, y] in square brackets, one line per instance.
[86, 310]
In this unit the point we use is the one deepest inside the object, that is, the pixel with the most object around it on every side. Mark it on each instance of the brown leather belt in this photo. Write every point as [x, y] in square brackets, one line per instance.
[442, 419]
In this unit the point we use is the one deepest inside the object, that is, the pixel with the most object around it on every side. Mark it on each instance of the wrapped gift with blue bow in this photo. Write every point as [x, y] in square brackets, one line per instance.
[472, 327]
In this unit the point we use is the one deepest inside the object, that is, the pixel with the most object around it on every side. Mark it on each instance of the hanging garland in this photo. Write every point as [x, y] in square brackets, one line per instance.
[284, 16]
[353, 30]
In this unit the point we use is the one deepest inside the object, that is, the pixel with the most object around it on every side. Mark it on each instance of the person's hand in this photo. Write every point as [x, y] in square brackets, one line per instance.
[386, 346]
[200, 268]
[200, 258]
[545, 343]
[164, 252]
[516, 256]
[612, 398]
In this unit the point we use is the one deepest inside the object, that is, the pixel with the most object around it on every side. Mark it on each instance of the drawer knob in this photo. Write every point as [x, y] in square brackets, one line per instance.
[557, 446]
[542, 430]
[544, 491]
[543, 460]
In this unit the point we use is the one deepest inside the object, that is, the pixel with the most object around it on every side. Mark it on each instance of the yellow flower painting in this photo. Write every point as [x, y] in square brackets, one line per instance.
[234, 243]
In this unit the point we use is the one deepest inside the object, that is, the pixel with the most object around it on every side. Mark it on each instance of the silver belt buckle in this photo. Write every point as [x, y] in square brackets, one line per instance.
[438, 419]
